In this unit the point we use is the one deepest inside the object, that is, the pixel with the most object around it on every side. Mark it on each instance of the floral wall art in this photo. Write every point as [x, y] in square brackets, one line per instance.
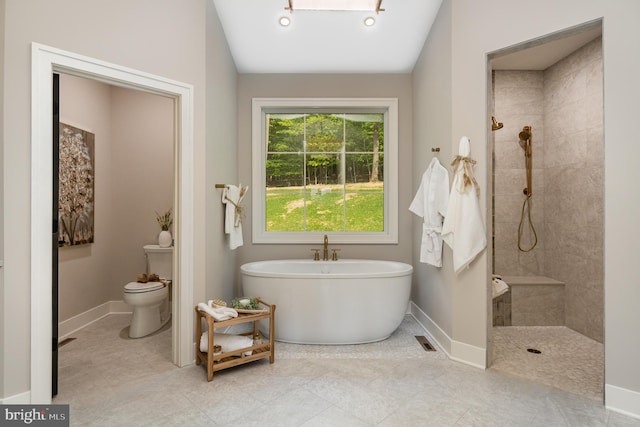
[76, 186]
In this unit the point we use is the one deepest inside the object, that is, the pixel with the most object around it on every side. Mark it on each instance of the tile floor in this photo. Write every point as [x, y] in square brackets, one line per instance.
[568, 360]
[111, 380]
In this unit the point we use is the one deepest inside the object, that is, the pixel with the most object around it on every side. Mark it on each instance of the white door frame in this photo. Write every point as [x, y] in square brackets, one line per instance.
[45, 61]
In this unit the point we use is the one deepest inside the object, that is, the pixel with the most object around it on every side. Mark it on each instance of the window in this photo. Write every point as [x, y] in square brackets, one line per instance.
[325, 166]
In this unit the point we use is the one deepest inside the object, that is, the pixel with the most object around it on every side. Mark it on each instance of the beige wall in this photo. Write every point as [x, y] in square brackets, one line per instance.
[328, 86]
[432, 103]
[220, 158]
[142, 178]
[173, 39]
[84, 270]
[478, 28]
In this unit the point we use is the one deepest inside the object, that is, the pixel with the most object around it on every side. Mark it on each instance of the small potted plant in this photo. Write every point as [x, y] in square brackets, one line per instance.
[165, 221]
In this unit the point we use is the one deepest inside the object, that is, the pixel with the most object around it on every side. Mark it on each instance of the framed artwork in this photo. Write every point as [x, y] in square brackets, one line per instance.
[76, 186]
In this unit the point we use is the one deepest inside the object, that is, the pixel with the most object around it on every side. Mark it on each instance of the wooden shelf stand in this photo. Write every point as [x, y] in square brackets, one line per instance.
[237, 357]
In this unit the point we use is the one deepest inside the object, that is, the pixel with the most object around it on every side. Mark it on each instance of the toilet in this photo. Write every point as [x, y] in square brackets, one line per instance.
[150, 301]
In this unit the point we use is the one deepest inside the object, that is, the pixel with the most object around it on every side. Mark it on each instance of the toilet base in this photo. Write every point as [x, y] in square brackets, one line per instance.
[147, 320]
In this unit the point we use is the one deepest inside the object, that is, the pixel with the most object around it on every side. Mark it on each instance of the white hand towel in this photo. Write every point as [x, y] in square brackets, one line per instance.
[231, 197]
[463, 229]
[219, 313]
[228, 342]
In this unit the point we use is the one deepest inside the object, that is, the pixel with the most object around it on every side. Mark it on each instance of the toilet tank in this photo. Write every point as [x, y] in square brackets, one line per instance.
[159, 261]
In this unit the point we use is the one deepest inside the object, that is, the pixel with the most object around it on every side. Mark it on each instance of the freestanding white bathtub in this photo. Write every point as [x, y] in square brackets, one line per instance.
[331, 302]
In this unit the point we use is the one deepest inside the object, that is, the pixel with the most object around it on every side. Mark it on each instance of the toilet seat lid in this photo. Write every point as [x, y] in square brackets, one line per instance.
[136, 287]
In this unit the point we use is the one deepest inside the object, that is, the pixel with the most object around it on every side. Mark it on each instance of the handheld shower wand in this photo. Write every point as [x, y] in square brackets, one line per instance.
[525, 141]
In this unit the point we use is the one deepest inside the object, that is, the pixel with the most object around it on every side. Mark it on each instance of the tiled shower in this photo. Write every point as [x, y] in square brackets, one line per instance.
[563, 104]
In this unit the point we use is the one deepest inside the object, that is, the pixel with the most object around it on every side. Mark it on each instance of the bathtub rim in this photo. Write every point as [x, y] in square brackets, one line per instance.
[407, 269]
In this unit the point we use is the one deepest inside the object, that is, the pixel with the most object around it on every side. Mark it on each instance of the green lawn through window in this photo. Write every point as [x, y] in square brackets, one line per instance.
[325, 208]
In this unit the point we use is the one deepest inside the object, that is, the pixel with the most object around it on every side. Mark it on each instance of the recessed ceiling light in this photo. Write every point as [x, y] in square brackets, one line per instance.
[284, 21]
[369, 21]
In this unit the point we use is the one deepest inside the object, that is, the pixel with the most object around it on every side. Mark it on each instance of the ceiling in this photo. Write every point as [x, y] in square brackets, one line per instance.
[325, 41]
[542, 53]
[339, 42]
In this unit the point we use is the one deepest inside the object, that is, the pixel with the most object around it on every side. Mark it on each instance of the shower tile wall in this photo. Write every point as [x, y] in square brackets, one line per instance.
[519, 102]
[564, 105]
[574, 185]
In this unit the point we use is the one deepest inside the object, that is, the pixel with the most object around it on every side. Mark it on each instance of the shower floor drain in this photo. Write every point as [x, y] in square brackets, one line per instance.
[534, 351]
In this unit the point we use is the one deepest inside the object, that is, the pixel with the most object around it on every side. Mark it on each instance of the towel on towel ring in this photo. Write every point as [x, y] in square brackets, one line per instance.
[231, 198]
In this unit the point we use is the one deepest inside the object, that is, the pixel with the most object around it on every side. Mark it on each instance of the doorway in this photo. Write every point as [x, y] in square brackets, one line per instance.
[46, 62]
[548, 239]
[126, 139]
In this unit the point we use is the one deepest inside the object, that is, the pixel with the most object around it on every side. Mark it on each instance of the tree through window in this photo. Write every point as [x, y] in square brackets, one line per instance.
[323, 174]
[324, 170]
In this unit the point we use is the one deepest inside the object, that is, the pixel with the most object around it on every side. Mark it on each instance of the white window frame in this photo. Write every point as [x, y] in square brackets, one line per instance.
[389, 106]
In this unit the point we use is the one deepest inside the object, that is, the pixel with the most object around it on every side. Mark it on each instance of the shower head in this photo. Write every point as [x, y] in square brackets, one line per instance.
[525, 134]
[495, 125]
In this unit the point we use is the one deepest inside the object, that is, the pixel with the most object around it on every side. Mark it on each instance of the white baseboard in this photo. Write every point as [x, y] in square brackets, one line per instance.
[469, 354]
[75, 323]
[455, 350]
[17, 399]
[437, 334]
[622, 400]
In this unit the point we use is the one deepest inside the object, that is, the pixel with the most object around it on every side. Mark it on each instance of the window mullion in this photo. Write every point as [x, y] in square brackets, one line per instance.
[343, 172]
[304, 172]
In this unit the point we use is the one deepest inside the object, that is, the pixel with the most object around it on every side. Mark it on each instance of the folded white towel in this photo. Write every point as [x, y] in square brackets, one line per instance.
[218, 313]
[498, 286]
[228, 342]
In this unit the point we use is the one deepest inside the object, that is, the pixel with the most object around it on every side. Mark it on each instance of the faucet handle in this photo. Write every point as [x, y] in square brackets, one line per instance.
[316, 256]
[334, 257]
